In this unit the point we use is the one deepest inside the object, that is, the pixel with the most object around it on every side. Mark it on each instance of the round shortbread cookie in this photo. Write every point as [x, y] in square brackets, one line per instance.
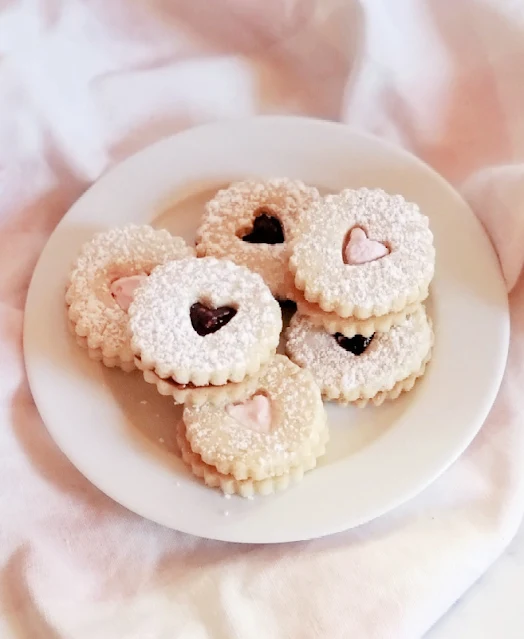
[102, 284]
[376, 364]
[363, 253]
[276, 429]
[204, 321]
[243, 487]
[349, 326]
[252, 223]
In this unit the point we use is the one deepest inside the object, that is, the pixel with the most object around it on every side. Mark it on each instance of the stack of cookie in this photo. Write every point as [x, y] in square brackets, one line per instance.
[357, 265]
[205, 332]
[205, 329]
[262, 444]
[362, 262]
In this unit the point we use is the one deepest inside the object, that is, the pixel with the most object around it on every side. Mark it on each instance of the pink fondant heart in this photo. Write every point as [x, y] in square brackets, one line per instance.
[360, 249]
[123, 289]
[254, 413]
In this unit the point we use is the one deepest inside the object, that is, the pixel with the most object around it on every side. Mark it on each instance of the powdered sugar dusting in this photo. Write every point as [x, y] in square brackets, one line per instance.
[318, 250]
[389, 358]
[231, 213]
[161, 327]
[297, 414]
[119, 252]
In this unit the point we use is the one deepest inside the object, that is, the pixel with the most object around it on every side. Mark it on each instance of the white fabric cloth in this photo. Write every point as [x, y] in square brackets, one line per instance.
[83, 83]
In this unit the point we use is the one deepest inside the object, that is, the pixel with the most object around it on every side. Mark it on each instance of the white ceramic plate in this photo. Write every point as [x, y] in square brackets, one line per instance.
[120, 434]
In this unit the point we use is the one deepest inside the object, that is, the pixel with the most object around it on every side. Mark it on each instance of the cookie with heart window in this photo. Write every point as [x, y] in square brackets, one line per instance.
[264, 442]
[109, 269]
[203, 321]
[362, 254]
[363, 368]
[252, 223]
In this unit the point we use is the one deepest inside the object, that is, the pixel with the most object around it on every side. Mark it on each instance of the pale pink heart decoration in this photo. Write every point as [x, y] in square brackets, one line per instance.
[254, 413]
[360, 249]
[123, 289]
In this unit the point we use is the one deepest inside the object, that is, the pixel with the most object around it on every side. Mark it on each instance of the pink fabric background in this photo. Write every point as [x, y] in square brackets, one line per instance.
[84, 83]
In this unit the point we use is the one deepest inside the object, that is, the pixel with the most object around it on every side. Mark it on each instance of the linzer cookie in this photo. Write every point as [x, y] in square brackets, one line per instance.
[360, 369]
[243, 487]
[363, 254]
[252, 224]
[204, 321]
[279, 431]
[102, 285]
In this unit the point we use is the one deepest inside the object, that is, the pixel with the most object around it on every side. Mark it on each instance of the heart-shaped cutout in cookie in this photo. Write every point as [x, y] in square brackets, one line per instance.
[206, 320]
[267, 229]
[123, 289]
[360, 249]
[355, 345]
[254, 413]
